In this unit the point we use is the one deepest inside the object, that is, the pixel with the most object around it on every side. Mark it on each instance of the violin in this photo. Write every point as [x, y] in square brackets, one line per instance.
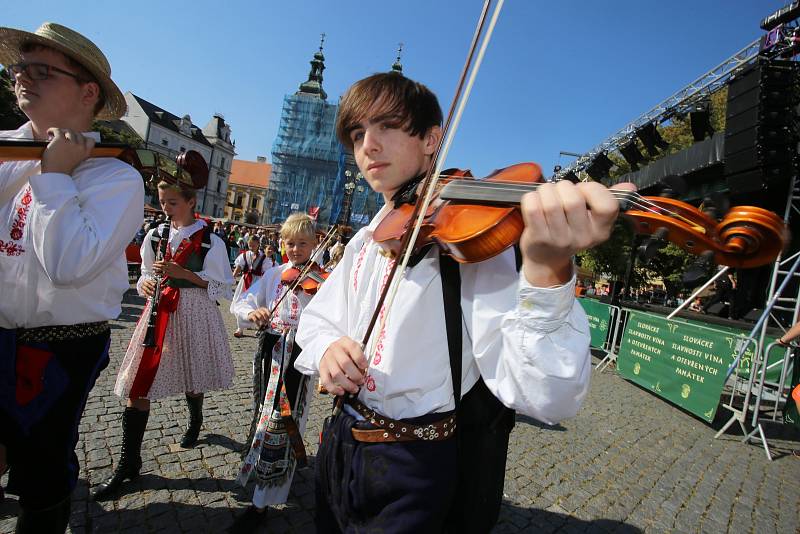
[474, 220]
[308, 281]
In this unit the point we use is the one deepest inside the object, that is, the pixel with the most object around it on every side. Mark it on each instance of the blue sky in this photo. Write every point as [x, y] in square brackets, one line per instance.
[558, 75]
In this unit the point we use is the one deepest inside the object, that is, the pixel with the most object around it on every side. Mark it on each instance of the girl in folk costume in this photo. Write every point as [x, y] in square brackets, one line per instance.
[191, 353]
[250, 264]
[276, 449]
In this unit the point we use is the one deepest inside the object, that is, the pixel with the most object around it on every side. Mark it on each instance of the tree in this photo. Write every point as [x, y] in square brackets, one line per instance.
[668, 265]
[611, 257]
[120, 135]
[11, 117]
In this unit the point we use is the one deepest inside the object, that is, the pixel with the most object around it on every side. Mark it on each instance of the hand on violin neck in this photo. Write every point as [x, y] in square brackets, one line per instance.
[562, 219]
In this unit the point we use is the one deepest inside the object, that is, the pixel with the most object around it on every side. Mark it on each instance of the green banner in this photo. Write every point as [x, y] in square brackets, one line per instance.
[599, 316]
[681, 362]
[775, 355]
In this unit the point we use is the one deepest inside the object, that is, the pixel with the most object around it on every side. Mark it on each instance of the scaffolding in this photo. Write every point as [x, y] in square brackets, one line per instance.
[363, 204]
[309, 167]
[305, 159]
[696, 90]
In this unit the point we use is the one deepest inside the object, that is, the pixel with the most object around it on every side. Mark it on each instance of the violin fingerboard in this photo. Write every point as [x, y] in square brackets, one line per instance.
[484, 192]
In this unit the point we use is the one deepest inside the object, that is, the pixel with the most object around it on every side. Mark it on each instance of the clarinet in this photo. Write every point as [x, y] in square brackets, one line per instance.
[150, 334]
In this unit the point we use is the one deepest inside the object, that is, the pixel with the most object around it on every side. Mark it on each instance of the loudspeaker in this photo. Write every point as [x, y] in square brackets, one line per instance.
[717, 309]
[753, 315]
[760, 132]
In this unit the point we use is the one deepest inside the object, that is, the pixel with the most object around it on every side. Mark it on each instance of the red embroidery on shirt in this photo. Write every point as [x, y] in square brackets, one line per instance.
[361, 255]
[370, 383]
[17, 227]
[379, 345]
[276, 322]
[294, 307]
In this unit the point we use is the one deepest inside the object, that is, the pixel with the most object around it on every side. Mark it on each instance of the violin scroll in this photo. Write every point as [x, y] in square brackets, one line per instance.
[746, 237]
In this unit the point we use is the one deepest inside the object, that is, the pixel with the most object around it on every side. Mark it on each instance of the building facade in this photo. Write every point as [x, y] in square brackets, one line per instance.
[170, 135]
[247, 191]
[218, 133]
[311, 172]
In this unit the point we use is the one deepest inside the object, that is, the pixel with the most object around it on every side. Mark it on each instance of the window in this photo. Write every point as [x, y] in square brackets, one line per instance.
[254, 203]
[165, 142]
[239, 200]
[222, 161]
[219, 185]
[183, 149]
[216, 211]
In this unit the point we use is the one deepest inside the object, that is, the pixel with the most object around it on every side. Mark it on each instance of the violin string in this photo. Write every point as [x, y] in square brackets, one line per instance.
[632, 197]
[394, 283]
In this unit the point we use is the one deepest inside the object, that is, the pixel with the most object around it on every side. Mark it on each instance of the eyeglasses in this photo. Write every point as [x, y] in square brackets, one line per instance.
[38, 71]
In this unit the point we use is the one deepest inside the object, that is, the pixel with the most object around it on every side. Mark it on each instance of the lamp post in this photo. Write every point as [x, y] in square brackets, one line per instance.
[349, 187]
[347, 201]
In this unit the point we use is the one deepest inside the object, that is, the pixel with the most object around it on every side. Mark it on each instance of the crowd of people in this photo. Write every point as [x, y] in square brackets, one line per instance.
[422, 404]
[719, 301]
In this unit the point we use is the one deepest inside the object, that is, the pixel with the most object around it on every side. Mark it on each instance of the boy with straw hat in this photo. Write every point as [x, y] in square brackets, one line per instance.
[64, 225]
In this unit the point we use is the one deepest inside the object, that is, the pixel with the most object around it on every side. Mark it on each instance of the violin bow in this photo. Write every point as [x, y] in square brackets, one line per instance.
[457, 106]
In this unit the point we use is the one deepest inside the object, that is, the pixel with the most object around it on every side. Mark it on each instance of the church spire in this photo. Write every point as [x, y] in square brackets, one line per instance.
[313, 86]
[397, 66]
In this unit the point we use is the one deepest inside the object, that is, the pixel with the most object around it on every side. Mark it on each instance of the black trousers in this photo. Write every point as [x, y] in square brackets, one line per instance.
[446, 486]
[43, 391]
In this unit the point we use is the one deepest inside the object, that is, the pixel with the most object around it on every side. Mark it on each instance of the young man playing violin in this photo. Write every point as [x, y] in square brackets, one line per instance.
[64, 224]
[390, 460]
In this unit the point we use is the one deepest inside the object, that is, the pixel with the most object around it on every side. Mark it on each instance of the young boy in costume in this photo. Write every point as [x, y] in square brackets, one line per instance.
[65, 221]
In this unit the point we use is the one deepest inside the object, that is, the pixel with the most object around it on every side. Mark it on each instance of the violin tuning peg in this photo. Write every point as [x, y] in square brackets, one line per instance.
[673, 186]
[648, 250]
[716, 205]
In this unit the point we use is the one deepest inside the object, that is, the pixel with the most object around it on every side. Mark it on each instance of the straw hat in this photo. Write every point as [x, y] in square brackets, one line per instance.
[74, 45]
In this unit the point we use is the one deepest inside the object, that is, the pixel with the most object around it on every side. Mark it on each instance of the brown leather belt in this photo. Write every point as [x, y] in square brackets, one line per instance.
[44, 334]
[393, 430]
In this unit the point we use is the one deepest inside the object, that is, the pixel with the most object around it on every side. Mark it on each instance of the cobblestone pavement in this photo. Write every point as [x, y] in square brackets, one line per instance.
[629, 462]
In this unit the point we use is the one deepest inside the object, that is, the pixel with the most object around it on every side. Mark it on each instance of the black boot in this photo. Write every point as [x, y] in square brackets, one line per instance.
[50, 520]
[195, 421]
[134, 423]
